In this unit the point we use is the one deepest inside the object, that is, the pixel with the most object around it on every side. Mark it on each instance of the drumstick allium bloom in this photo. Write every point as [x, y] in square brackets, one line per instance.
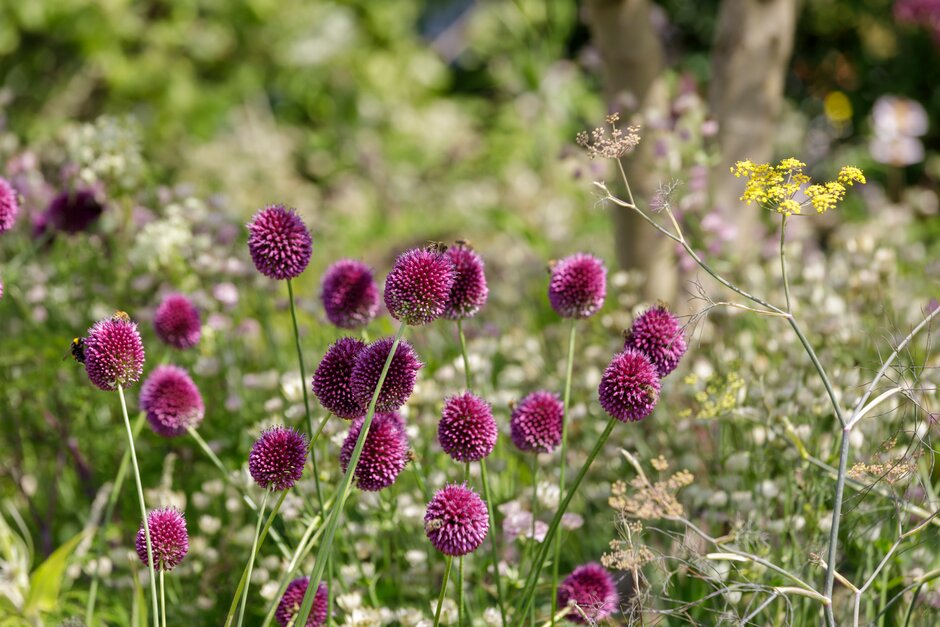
[578, 286]
[279, 242]
[418, 287]
[277, 459]
[456, 521]
[114, 353]
[332, 380]
[9, 205]
[293, 596]
[171, 400]
[629, 387]
[469, 292]
[536, 421]
[177, 322]
[399, 382]
[350, 295]
[168, 537]
[658, 334]
[384, 453]
[593, 590]
[467, 431]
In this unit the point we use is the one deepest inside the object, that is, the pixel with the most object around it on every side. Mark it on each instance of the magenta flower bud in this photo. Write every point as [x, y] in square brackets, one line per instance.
[456, 521]
[171, 400]
[169, 540]
[279, 242]
[293, 598]
[657, 334]
[114, 353]
[593, 590]
[417, 288]
[384, 453]
[71, 212]
[469, 292]
[536, 422]
[9, 206]
[350, 295]
[332, 381]
[277, 459]
[467, 431]
[578, 286]
[399, 382]
[177, 322]
[629, 388]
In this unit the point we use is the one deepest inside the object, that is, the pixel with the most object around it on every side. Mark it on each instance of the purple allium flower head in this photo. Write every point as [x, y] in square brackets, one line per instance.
[536, 422]
[657, 334]
[456, 522]
[417, 288]
[169, 539]
[384, 454]
[279, 242]
[578, 286]
[293, 597]
[349, 293]
[277, 459]
[171, 400]
[70, 211]
[629, 388]
[9, 205]
[332, 381]
[399, 382]
[467, 431]
[114, 353]
[593, 590]
[469, 292]
[177, 322]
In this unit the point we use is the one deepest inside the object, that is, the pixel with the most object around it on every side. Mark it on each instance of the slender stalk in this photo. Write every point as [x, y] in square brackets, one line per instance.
[564, 460]
[336, 511]
[528, 592]
[463, 351]
[493, 547]
[162, 600]
[440, 599]
[140, 500]
[460, 608]
[783, 261]
[251, 559]
[557, 616]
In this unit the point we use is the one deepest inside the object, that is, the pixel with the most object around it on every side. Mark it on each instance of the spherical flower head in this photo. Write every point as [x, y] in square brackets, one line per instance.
[456, 521]
[469, 292]
[350, 295]
[629, 388]
[384, 453]
[9, 206]
[332, 381]
[399, 382]
[578, 286]
[658, 334]
[279, 242]
[171, 400]
[114, 353]
[467, 431]
[169, 540]
[593, 590]
[536, 422]
[277, 458]
[71, 211]
[293, 597]
[418, 287]
[177, 322]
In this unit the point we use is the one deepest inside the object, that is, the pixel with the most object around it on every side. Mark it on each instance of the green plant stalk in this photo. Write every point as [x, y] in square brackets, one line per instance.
[493, 548]
[251, 559]
[528, 592]
[460, 599]
[463, 352]
[140, 499]
[440, 598]
[564, 460]
[783, 260]
[333, 520]
[162, 600]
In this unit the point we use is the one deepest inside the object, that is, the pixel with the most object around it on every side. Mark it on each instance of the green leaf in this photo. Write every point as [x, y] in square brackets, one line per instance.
[46, 580]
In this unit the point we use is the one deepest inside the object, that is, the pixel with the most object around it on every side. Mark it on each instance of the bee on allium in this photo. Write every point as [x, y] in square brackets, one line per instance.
[77, 350]
[121, 316]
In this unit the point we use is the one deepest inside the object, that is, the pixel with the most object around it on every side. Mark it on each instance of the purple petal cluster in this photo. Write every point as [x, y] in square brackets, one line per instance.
[114, 353]
[536, 422]
[279, 242]
[169, 539]
[71, 212]
[9, 206]
[658, 334]
[418, 287]
[177, 322]
[277, 459]
[384, 453]
[456, 521]
[578, 286]
[399, 382]
[593, 590]
[469, 292]
[171, 400]
[332, 383]
[293, 597]
[350, 295]
[467, 431]
[629, 387]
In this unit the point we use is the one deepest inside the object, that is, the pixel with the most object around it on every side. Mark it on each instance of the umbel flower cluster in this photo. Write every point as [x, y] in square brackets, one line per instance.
[779, 187]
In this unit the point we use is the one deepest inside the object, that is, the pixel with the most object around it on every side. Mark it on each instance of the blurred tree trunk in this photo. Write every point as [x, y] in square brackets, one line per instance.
[751, 53]
[633, 61]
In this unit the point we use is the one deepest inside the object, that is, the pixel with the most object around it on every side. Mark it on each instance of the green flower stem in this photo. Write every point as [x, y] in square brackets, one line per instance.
[783, 259]
[460, 599]
[251, 559]
[140, 499]
[493, 547]
[162, 600]
[528, 592]
[440, 598]
[463, 351]
[564, 460]
[336, 511]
